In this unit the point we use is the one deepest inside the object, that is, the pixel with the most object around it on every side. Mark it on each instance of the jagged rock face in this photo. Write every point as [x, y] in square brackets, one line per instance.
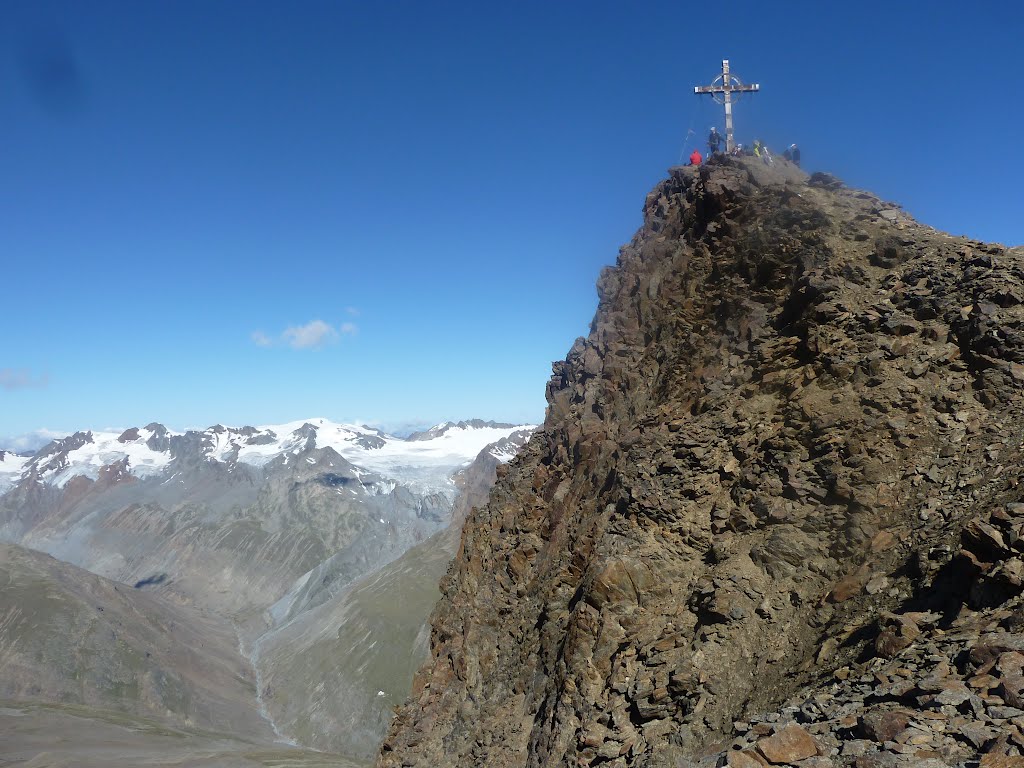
[790, 389]
[939, 681]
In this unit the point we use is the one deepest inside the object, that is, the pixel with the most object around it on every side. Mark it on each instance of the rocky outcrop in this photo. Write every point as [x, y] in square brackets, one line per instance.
[938, 681]
[793, 402]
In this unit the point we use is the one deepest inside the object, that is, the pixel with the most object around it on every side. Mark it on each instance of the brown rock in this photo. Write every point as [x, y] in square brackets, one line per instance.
[744, 759]
[790, 744]
[985, 541]
[883, 725]
[1011, 690]
[898, 632]
[1001, 761]
[883, 540]
[847, 587]
[1010, 663]
[878, 760]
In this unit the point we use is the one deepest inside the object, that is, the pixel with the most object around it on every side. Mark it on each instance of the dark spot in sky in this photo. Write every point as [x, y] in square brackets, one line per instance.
[51, 72]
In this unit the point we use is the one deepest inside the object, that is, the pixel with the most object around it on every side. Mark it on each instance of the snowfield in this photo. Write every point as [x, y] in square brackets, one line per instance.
[11, 468]
[425, 463]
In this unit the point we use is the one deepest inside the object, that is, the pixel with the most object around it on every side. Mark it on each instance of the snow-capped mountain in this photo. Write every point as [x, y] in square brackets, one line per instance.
[425, 460]
[271, 530]
[230, 518]
[12, 466]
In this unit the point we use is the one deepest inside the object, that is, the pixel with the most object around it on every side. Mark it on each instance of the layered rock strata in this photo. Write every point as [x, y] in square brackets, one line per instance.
[793, 397]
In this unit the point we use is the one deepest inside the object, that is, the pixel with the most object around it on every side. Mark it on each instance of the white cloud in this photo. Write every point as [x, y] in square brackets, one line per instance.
[29, 441]
[21, 378]
[312, 335]
[260, 339]
[352, 311]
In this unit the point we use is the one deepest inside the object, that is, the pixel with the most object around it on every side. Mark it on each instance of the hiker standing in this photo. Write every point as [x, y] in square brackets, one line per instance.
[714, 141]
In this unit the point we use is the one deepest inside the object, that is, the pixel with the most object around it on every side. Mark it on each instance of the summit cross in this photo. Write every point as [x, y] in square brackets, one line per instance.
[721, 90]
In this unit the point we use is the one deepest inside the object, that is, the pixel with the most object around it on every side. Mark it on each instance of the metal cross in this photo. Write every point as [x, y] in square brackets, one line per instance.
[721, 89]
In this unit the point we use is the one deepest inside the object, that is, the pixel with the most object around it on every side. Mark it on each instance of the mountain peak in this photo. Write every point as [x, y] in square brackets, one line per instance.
[445, 427]
[792, 399]
[153, 451]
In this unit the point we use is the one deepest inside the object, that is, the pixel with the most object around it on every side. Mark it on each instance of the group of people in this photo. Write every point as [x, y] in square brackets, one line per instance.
[715, 142]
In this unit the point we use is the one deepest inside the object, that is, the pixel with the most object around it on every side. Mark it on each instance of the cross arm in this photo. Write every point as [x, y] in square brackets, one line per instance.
[722, 89]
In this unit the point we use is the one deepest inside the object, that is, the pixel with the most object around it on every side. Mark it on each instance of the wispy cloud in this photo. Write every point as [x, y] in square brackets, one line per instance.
[30, 441]
[353, 311]
[21, 378]
[313, 335]
[260, 339]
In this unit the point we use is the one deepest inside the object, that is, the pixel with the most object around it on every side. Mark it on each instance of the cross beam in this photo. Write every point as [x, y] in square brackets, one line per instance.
[721, 90]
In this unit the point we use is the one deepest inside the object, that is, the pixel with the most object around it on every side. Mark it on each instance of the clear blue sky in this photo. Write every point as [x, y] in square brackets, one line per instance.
[250, 212]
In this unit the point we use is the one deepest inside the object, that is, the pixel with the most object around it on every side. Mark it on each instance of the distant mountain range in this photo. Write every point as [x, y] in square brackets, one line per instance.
[189, 513]
[268, 532]
[152, 450]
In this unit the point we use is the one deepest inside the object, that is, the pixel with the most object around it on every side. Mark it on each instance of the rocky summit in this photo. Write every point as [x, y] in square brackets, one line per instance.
[774, 515]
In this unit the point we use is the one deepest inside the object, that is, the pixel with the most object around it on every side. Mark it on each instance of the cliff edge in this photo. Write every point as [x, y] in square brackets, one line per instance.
[782, 468]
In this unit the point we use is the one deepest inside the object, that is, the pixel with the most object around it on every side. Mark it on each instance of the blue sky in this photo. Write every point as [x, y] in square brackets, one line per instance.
[252, 212]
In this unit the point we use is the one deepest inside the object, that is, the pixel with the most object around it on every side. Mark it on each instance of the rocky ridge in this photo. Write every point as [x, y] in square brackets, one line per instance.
[771, 516]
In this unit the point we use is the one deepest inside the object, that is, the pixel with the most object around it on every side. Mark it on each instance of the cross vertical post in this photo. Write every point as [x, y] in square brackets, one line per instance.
[721, 90]
[728, 107]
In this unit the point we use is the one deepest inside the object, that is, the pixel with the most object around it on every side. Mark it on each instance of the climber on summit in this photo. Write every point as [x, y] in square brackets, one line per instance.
[714, 141]
[695, 158]
[792, 153]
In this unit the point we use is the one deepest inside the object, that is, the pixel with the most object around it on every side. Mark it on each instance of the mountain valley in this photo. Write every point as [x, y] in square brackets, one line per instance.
[211, 558]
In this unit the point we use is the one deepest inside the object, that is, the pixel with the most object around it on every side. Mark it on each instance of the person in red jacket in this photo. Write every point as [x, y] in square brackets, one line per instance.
[695, 158]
